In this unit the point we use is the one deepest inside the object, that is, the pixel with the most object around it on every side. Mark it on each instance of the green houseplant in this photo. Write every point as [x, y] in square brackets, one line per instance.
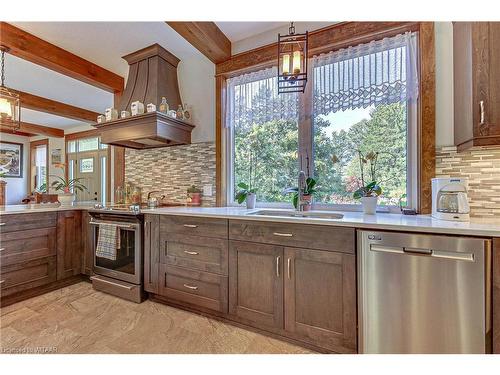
[248, 194]
[308, 193]
[194, 195]
[66, 186]
[368, 192]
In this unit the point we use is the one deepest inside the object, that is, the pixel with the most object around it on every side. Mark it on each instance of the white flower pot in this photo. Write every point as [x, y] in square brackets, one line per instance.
[251, 200]
[369, 205]
[66, 198]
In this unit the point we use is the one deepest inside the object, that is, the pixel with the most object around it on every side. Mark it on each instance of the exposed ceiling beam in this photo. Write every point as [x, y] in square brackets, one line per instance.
[31, 48]
[37, 103]
[8, 130]
[35, 129]
[206, 37]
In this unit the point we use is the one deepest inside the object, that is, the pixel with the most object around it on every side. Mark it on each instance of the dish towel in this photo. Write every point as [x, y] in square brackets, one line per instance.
[108, 241]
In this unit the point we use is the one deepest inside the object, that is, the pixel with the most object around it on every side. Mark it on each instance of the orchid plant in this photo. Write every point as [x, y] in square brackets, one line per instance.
[371, 188]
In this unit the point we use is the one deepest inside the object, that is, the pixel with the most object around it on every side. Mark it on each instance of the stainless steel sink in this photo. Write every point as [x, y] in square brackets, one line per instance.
[304, 214]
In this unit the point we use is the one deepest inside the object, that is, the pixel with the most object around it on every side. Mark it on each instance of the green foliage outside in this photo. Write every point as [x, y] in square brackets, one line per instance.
[269, 152]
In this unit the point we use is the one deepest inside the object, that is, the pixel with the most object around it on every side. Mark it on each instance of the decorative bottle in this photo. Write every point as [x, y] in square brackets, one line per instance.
[164, 105]
[180, 112]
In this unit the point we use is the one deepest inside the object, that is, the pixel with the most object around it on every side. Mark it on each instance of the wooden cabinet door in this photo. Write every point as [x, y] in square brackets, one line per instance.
[320, 298]
[486, 41]
[69, 243]
[87, 248]
[151, 252]
[256, 283]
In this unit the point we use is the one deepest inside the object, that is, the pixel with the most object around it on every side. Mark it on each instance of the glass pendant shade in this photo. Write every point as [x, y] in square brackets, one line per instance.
[9, 108]
[292, 61]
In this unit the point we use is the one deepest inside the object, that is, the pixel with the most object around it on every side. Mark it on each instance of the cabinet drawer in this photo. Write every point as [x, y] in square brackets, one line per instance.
[21, 246]
[11, 223]
[309, 236]
[197, 226]
[194, 287]
[197, 253]
[18, 277]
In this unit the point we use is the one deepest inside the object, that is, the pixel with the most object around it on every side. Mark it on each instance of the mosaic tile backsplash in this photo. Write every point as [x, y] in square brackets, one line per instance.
[171, 170]
[482, 168]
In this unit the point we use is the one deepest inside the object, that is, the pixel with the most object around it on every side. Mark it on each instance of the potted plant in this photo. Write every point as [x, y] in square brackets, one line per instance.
[307, 194]
[247, 194]
[194, 195]
[368, 192]
[66, 186]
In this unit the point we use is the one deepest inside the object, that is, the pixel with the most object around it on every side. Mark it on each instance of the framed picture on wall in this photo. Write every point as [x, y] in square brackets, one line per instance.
[11, 159]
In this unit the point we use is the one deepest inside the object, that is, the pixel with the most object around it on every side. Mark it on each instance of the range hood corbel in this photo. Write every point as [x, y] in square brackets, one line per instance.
[152, 75]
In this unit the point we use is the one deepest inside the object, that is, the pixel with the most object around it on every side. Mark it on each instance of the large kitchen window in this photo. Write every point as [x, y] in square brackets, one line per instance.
[361, 98]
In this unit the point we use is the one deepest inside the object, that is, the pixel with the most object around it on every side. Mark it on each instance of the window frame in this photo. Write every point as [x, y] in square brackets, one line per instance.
[32, 166]
[306, 147]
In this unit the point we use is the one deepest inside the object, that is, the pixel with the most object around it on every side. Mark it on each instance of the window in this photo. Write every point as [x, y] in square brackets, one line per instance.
[39, 164]
[87, 165]
[361, 98]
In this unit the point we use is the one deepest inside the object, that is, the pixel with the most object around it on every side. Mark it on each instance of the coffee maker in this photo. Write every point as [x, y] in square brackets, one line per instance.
[449, 199]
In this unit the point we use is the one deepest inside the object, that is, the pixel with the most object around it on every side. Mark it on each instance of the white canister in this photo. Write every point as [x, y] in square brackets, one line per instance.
[172, 113]
[101, 119]
[111, 114]
[369, 204]
[124, 114]
[151, 108]
[137, 108]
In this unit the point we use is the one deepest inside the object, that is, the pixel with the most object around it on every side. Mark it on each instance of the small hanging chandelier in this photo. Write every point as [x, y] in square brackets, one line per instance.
[10, 105]
[292, 61]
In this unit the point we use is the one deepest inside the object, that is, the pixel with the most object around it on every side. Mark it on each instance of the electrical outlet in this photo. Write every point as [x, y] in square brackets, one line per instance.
[207, 190]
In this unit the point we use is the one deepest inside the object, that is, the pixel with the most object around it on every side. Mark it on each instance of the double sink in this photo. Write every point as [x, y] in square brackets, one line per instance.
[304, 214]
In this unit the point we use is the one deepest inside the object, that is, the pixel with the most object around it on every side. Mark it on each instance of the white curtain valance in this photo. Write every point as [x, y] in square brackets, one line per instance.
[253, 98]
[380, 72]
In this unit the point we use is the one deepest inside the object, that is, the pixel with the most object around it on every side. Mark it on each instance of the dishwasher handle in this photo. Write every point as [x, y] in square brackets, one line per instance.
[451, 255]
[417, 251]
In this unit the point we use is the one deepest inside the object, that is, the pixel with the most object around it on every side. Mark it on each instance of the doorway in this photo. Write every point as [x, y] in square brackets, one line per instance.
[88, 160]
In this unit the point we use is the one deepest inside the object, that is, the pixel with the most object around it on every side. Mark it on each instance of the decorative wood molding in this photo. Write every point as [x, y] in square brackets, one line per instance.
[206, 37]
[330, 38]
[31, 48]
[427, 117]
[53, 107]
[34, 129]
[82, 134]
[220, 92]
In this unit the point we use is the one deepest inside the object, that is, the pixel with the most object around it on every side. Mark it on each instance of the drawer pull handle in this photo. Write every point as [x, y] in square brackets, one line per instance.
[2, 224]
[278, 266]
[2, 249]
[191, 252]
[283, 234]
[289, 261]
[190, 226]
[190, 286]
[2, 281]
[481, 109]
[111, 283]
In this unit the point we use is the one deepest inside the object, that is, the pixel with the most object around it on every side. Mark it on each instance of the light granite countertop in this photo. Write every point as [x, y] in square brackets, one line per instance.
[380, 221]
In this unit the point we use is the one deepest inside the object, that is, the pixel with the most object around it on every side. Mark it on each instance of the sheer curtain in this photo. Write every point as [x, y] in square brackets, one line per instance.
[253, 98]
[380, 72]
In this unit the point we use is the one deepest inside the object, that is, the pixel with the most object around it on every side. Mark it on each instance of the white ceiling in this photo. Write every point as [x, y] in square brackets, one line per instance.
[236, 31]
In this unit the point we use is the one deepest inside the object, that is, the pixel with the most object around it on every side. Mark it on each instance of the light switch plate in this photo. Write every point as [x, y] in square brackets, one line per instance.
[207, 190]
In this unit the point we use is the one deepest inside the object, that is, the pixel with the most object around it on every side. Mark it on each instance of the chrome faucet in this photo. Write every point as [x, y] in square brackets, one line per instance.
[300, 190]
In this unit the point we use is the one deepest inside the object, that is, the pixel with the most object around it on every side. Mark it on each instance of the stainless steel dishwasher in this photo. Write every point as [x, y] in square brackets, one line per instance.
[423, 293]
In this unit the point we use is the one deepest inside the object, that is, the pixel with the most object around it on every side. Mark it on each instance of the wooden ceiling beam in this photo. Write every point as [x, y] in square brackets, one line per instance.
[31, 48]
[34, 129]
[37, 103]
[8, 130]
[206, 37]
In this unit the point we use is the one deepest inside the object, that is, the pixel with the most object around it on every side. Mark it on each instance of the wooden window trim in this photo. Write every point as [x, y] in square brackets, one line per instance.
[33, 146]
[335, 37]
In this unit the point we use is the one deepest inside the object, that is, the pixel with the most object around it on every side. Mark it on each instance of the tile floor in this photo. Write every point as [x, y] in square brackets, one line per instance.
[78, 319]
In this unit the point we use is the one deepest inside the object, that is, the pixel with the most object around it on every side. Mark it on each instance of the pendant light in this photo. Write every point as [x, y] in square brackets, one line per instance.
[10, 105]
[292, 61]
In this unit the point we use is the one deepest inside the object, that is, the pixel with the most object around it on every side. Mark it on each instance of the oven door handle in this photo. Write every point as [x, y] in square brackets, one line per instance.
[129, 226]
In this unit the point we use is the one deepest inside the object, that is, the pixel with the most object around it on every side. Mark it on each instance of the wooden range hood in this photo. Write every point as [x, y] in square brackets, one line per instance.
[152, 75]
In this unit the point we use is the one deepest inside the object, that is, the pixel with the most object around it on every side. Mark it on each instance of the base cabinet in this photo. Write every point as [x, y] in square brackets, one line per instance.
[320, 298]
[69, 243]
[256, 283]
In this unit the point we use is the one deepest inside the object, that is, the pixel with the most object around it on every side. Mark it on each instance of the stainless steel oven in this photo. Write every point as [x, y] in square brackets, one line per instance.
[128, 263]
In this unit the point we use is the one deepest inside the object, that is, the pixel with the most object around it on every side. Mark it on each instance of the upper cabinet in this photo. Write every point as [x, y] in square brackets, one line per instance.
[476, 73]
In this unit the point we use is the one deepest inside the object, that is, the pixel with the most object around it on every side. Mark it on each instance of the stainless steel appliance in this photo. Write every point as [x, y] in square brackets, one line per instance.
[449, 199]
[423, 293]
[123, 276]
